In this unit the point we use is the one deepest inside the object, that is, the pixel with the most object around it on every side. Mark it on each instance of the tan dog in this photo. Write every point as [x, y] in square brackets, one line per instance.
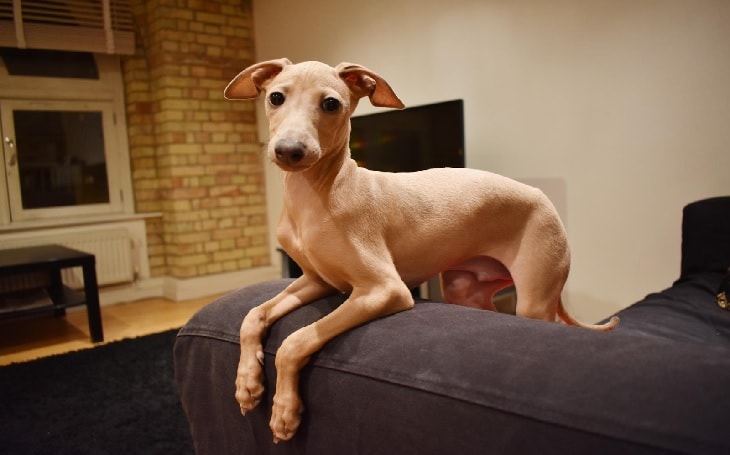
[375, 234]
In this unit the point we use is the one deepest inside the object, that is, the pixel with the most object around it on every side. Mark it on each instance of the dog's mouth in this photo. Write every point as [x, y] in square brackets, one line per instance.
[289, 165]
[284, 166]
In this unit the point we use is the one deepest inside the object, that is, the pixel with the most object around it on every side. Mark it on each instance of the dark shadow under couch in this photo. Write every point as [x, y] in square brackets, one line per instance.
[443, 379]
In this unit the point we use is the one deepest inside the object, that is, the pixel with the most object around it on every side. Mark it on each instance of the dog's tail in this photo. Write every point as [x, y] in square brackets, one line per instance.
[570, 320]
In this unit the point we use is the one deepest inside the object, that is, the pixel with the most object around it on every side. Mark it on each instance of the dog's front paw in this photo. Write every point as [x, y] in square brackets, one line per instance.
[250, 381]
[286, 414]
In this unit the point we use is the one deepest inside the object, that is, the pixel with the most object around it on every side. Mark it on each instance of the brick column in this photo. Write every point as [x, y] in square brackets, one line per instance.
[195, 156]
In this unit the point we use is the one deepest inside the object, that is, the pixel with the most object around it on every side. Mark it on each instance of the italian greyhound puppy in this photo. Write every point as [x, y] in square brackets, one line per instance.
[374, 235]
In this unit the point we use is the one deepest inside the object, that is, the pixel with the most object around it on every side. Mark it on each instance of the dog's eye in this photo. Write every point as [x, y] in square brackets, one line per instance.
[330, 104]
[276, 98]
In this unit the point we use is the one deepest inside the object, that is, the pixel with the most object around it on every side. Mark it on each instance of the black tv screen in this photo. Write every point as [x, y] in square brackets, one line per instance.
[411, 139]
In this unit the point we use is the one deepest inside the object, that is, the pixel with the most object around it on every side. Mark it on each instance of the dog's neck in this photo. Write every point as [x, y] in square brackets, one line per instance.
[321, 181]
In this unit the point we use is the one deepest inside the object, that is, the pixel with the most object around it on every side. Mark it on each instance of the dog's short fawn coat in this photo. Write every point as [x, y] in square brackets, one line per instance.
[375, 234]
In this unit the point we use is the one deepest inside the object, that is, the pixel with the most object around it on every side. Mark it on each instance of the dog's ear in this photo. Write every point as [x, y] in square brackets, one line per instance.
[249, 82]
[364, 82]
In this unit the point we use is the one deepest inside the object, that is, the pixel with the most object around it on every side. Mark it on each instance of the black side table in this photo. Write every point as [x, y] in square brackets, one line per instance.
[51, 259]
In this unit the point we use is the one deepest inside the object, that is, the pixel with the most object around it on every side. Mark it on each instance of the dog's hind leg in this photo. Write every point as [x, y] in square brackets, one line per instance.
[249, 377]
[371, 301]
[540, 271]
[539, 279]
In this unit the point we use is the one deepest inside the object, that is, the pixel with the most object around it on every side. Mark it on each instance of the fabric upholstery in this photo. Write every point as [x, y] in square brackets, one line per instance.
[462, 380]
[442, 379]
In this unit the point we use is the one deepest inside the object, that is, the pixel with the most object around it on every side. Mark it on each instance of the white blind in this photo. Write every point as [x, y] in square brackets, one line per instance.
[104, 26]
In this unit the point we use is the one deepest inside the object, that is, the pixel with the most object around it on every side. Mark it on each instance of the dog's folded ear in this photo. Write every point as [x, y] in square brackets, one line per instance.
[249, 82]
[363, 82]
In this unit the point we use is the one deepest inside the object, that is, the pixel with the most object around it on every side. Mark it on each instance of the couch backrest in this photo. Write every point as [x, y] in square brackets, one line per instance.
[706, 236]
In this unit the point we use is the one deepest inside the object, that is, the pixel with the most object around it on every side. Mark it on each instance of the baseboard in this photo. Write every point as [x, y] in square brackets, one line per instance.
[193, 288]
[140, 289]
[177, 289]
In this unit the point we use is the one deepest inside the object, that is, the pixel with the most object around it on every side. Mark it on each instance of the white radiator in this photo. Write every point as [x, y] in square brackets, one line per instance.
[112, 249]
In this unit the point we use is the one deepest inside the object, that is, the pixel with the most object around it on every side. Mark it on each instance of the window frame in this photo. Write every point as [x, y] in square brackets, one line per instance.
[111, 156]
[106, 92]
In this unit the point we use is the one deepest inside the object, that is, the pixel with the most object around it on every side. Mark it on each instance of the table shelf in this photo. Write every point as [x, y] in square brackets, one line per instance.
[51, 259]
[70, 298]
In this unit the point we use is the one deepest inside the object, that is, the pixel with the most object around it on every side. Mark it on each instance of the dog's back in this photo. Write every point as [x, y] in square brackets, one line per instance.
[431, 220]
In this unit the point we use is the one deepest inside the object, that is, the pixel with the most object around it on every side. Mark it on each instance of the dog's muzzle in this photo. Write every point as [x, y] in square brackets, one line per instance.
[289, 152]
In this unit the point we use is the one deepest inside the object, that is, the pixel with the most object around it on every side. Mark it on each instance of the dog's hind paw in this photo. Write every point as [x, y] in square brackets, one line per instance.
[249, 383]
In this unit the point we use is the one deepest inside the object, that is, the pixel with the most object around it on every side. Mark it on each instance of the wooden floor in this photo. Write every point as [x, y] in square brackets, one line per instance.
[27, 339]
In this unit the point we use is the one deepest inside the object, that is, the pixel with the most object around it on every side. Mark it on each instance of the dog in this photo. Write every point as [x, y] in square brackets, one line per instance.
[362, 232]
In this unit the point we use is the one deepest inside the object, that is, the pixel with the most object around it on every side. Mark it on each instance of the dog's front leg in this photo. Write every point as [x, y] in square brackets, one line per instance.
[363, 305]
[249, 377]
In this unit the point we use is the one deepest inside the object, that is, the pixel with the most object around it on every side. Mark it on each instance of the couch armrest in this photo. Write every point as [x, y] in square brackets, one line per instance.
[449, 379]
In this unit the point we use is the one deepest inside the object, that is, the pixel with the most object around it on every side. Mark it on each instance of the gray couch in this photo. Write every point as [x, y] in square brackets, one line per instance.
[443, 379]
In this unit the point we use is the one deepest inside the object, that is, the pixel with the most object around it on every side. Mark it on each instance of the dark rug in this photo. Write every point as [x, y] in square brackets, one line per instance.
[119, 398]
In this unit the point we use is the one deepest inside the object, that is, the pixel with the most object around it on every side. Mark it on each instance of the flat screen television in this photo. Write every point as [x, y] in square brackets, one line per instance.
[412, 139]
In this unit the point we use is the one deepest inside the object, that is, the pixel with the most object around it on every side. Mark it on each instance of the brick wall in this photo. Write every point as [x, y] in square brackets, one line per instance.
[195, 156]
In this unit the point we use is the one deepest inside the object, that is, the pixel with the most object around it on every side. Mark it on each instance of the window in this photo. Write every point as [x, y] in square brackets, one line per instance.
[60, 162]
[64, 144]
[46, 63]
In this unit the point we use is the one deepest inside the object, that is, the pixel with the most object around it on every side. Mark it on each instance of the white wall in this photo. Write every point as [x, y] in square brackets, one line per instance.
[624, 103]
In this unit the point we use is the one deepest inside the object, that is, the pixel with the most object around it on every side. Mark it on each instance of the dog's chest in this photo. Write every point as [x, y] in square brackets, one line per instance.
[312, 260]
[318, 243]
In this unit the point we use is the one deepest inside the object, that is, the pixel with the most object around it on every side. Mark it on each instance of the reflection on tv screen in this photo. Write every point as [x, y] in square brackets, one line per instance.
[411, 139]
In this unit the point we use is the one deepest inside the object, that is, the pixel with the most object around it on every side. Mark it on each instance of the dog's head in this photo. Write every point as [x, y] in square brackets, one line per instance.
[309, 106]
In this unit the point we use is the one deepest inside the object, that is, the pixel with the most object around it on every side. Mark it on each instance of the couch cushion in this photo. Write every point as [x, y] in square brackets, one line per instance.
[686, 312]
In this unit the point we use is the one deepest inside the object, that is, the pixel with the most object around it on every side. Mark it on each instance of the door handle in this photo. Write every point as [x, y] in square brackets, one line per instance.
[13, 156]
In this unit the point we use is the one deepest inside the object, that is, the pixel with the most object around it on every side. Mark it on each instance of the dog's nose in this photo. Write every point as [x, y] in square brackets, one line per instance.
[289, 151]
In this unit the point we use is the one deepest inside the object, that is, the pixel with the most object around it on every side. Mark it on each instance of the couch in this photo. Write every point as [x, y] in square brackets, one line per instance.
[444, 379]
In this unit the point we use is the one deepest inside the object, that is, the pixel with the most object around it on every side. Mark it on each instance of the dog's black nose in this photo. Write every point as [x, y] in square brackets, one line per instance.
[289, 151]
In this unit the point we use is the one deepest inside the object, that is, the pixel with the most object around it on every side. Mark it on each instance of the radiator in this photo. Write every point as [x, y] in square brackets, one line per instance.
[112, 249]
